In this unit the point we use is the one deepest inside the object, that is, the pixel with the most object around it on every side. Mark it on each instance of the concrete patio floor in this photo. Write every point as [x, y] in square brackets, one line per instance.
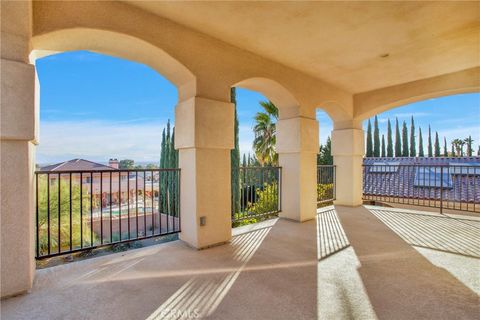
[348, 264]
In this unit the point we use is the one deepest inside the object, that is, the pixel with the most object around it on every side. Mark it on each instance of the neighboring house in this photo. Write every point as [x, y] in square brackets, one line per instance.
[423, 178]
[81, 165]
[107, 180]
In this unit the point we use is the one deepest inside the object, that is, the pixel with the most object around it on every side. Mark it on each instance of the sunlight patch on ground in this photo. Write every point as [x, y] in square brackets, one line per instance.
[200, 296]
[433, 231]
[340, 290]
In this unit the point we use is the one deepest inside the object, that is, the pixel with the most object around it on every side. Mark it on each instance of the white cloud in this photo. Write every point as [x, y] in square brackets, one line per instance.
[99, 140]
[134, 139]
[246, 136]
[460, 133]
[410, 114]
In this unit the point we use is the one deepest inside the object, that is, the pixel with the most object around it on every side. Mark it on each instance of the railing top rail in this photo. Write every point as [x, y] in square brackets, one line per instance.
[105, 171]
[326, 165]
[422, 165]
[258, 167]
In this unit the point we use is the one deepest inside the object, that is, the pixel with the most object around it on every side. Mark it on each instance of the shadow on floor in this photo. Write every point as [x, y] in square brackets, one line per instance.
[399, 281]
[268, 271]
[331, 237]
[433, 231]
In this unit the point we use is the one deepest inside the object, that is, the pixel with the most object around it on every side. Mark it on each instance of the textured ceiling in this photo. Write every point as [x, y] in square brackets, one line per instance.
[343, 42]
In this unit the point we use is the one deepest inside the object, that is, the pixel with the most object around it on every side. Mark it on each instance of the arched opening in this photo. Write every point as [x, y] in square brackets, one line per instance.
[254, 159]
[325, 167]
[117, 45]
[84, 204]
[285, 102]
[268, 190]
[425, 153]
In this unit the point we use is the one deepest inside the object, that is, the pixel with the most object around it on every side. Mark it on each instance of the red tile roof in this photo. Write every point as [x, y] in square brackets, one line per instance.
[77, 165]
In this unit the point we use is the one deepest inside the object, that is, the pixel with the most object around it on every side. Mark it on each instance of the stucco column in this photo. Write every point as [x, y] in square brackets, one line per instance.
[297, 146]
[204, 138]
[347, 151]
[17, 134]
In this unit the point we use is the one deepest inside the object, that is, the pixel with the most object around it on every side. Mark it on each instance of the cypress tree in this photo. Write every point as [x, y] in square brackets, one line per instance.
[166, 178]
[404, 140]
[326, 153]
[445, 152]
[164, 163]
[369, 140]
[453, 151]
[383, 146]
[429, 146]
[376, 138]
[437, 145]
[420, 143]
[160, 174]
[413, 148]
[389, 140]
[398, 142]
[244, 161]
[235, 159]
[478, 152]
[172, 182]
[162, 151]
[167, 146]
[319, 155]
[173, 152]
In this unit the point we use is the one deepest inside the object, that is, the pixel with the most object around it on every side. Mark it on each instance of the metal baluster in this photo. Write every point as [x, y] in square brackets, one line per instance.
[119, 206]
[81, 210]
[91, 209]
[59, 240]
[70, 194]
[101, 207]
[111, 198]
[48, 212]
[151, 197]
[36, 216]
[144, 204]
[136, 201]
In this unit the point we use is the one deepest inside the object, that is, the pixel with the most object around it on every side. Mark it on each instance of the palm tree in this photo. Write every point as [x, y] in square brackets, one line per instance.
[265, 134]
[458, 145]
[469, 142]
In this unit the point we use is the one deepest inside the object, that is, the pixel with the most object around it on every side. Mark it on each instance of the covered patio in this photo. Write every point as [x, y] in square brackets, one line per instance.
[351, 265]
[351, 59]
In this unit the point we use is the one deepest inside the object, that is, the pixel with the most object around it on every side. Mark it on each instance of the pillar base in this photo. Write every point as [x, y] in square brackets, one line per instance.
[347, 151]
[204, 137]
[17, 209]
[297, 145]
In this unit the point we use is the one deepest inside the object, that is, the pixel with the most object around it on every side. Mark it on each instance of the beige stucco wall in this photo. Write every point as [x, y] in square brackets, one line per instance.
[367, 104]
[297, 146]
[17, 155]
[348, 150]
[215, 64]
[204, 137]
[17, 216]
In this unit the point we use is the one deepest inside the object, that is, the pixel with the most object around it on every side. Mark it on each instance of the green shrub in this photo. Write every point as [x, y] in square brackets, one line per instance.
[64, 215]
[266, 206]
[324, 192]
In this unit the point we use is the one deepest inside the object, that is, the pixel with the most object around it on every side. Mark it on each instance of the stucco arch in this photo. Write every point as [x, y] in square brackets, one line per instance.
[118, 45]
[287, 104]
[216, 65]
[374, 102]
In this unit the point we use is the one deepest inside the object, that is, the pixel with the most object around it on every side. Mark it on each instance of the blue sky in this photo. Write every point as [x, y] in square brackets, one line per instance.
[97, 107]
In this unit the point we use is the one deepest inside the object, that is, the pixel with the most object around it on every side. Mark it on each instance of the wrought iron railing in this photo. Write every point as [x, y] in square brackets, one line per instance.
[259, 194]
[453, 187]
[326, 189]
[82, 210]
